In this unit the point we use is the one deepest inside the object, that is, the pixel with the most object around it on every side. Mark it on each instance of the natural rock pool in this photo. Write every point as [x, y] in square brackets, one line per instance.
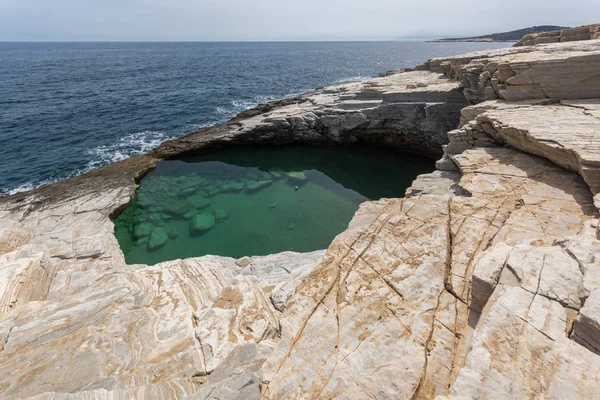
[257, 200]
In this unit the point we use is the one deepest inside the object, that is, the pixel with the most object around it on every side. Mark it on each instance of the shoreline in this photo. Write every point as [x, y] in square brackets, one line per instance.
[489, 261]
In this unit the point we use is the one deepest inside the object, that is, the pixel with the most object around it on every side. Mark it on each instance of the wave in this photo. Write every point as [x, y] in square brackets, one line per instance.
[141, 142]
[225, 113]
[26, 187]
[356, 78]
[127, 146]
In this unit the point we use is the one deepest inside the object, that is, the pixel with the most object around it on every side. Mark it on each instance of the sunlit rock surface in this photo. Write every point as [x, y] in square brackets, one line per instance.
[483, 282]
[586, 32]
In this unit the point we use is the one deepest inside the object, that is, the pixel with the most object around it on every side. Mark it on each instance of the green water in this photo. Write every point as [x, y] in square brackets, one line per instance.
[257, 200]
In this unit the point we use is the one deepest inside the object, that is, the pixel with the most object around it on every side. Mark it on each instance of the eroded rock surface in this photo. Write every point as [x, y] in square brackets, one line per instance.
[555, 71]
[586, 32]
[483, 282]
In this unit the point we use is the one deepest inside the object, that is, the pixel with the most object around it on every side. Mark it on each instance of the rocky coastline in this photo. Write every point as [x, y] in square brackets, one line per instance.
[482, 282]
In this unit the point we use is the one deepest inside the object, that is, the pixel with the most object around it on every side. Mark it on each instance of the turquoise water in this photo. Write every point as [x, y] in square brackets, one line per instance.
[257, 200]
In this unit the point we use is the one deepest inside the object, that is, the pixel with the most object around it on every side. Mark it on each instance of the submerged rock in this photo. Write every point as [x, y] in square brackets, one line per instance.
[188, 191]
[232, 187]
[141, 241]
[158, 238]
[178, 207]
[202, 223]
[220, 215]
[143, 230]
[190, 214]
[155, 217]
[297, 177]
[277, 173]
[172, 232]
[213, 191]
[256, 186]
[199, 202]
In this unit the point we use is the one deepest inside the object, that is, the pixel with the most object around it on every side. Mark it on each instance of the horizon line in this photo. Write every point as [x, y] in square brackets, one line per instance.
[424, 39]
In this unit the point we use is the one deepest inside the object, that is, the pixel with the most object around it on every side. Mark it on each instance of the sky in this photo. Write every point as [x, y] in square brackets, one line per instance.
[240, 20]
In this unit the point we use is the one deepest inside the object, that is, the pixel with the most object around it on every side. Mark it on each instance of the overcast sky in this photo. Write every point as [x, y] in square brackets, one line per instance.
[58, 20]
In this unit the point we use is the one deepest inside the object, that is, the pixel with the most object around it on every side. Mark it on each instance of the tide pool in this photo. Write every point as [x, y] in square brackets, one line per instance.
[257, 200]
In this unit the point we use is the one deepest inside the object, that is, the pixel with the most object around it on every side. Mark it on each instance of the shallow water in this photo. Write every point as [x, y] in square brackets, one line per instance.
[257, 200]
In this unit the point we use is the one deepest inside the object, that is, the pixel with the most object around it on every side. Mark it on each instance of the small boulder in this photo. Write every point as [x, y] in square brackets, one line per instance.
[201, 223]
[143, 230]
[188, 191]
[232, 188]
[297, 177]
[243, 262]
[141, 241]
[213, 191]
[277, 173]
[190, 214]
[178, 208]
[220, 215]
[199, 202]
[256, 186]
[158, 238]
[172, 232]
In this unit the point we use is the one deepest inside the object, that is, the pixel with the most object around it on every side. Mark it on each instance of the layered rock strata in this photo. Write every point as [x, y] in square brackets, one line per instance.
[586, 32]
[481, 283]
[553, 71]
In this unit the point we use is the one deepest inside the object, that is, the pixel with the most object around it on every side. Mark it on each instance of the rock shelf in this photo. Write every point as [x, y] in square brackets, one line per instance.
[483, 282]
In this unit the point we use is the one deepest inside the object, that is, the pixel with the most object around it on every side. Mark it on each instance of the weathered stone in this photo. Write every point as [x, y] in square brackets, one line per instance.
[178, 208]
[201, 223]
[586, 330]
[198, 202]
[189, 191]
[239, 376]
[158, 239]
[173, 233]
[586, 32]
[220, 215]
[256, 186]
[233, 188]
[190, 214]
[297, 177]
[242, 314]
[143, 230]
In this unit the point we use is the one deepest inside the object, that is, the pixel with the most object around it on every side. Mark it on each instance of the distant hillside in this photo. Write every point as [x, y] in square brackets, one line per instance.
[511, 36]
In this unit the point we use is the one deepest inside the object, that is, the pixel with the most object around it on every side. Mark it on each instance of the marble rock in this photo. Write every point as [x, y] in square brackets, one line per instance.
[201, 223]
[158, 238]
[482, 282]
[586, 32]
[198, 202]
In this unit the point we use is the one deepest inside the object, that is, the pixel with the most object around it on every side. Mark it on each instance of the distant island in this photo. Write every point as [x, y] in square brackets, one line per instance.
[511, 36]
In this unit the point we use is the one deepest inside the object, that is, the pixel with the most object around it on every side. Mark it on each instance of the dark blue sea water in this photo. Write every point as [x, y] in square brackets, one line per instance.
[68, 107]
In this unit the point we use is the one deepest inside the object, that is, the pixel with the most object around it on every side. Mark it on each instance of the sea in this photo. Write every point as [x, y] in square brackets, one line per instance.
[66, 108]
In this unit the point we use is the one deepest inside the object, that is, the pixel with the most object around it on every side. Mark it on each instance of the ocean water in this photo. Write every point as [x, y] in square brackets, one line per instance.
[257, 200]
[68, 107]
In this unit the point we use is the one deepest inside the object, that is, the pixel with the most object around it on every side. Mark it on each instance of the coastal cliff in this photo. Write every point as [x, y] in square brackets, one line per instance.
[483, 282]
